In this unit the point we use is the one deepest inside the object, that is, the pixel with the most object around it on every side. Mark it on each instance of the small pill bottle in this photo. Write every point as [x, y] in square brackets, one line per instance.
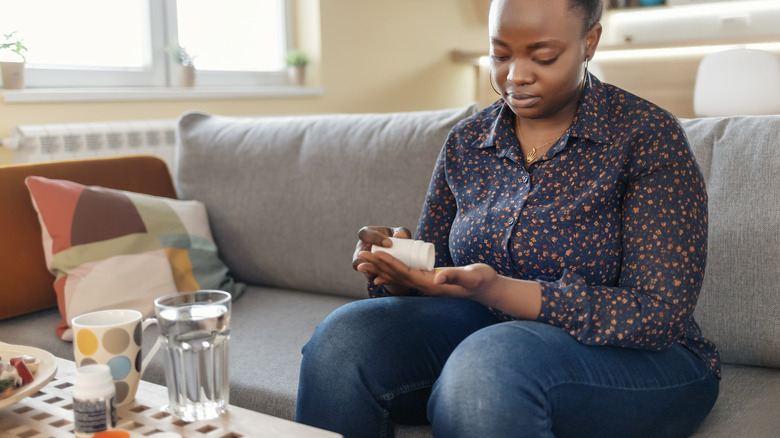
[94, 400]
[415, 254]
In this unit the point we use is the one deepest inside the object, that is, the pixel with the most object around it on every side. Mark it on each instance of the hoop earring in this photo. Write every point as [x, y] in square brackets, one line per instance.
[587, 76]
[490, 79]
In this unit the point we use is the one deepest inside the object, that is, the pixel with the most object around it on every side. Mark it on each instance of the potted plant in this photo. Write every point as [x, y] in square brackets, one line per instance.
[13, 70]
[296, 66]
[186, 64]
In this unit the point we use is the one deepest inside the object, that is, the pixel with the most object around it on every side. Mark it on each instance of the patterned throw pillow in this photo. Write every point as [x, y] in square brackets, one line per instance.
[112, 249]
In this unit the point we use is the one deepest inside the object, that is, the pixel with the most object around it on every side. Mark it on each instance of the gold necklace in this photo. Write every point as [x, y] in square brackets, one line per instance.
[532, 155]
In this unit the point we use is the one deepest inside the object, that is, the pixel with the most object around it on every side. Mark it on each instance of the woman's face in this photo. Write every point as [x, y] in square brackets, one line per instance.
[538, 50]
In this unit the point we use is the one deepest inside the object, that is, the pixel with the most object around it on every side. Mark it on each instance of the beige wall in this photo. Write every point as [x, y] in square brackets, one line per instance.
[395, 55]
[375, 56]
[666, 81]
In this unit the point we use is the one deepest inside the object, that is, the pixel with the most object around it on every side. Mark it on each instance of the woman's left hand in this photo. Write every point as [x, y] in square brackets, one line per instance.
[478, 282]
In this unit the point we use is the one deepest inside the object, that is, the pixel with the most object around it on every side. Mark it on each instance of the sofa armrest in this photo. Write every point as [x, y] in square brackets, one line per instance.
[26, 284]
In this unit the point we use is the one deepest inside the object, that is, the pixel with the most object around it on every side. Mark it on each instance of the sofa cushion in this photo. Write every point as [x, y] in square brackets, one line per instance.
[739, 306]
[268, 329]
[271, 326]
[747, 405]
[27, 285]
[287, 195]
[116, 249]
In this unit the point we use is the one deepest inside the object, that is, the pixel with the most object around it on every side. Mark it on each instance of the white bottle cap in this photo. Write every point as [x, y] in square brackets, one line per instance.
[93, 400]
[415, 254]
[93, 381]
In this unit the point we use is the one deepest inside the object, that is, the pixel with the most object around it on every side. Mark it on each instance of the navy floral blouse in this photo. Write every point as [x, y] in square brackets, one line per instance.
[612, 220]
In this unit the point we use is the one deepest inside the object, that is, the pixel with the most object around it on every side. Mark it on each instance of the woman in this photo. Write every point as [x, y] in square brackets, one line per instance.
[571, 219]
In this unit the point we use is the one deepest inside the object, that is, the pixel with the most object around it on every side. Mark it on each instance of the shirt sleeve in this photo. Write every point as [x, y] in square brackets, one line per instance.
[436, 219]
[664, 246]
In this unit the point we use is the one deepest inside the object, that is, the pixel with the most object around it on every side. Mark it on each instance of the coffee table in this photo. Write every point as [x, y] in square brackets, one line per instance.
[49, 413]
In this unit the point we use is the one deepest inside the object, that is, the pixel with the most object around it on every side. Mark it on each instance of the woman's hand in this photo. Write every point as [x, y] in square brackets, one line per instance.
[370, 236]
[475, 282]
[478, 282]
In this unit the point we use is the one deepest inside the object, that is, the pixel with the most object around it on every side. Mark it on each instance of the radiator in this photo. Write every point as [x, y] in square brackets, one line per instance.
[36, 143]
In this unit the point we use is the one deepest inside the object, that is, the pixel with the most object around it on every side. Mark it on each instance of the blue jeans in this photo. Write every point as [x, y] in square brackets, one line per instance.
[377, 362]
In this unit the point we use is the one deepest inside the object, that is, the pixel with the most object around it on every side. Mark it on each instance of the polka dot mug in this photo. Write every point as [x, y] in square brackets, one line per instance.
[114, 338]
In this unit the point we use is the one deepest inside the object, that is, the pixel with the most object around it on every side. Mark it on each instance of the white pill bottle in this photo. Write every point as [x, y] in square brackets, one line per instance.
[415, 254]
[94, 400]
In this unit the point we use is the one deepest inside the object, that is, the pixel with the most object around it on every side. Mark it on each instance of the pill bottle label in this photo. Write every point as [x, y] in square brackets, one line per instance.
[94, 415]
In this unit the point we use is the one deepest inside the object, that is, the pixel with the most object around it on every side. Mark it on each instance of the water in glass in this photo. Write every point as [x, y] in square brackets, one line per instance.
[196, 344]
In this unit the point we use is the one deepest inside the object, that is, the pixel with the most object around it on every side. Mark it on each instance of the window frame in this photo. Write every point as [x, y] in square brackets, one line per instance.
[163, 71]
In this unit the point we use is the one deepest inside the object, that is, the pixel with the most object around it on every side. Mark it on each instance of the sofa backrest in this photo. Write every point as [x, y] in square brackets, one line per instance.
[26, 284]
[286, 196]
[739, 306]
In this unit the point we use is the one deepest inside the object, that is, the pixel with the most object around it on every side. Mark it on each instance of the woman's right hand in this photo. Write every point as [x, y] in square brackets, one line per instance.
[373, 235]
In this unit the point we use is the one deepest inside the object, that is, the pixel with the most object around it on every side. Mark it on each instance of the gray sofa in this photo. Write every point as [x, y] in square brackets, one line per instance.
[286, 196]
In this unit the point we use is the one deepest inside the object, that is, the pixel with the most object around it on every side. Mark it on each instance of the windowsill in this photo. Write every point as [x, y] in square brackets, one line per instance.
[31, 95]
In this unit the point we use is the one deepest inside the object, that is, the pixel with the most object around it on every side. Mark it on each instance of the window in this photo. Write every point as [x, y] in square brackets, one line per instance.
[121, 43]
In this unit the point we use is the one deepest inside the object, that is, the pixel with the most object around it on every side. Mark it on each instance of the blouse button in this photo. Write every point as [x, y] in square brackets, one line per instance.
[511, 221]
[525, 179]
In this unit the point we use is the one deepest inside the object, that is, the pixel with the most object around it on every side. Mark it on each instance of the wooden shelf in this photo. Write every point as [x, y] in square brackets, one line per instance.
[467, 56]
[472, 57]
[736, 40]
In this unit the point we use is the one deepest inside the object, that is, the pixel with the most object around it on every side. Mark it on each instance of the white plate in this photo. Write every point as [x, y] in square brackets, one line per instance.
[46, 370]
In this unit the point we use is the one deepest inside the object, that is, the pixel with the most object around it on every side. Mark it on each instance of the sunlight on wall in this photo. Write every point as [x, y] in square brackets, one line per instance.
[369, 56]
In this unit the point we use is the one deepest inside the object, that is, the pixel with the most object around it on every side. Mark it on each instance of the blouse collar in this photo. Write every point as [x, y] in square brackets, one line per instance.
[590, 121]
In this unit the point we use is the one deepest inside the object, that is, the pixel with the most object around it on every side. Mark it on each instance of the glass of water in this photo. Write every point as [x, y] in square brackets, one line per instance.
[195, 331]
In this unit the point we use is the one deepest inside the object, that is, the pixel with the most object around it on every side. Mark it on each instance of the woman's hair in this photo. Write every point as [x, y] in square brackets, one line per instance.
[591, 11]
